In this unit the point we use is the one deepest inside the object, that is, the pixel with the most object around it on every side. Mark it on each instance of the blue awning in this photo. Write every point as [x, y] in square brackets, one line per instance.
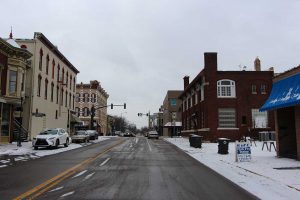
[284, 93]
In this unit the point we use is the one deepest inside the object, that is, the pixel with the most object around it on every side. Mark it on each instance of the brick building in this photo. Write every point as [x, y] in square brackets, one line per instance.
[88, 95]
[285, 101]
[14, 62]
[226, 103]
[171, 113]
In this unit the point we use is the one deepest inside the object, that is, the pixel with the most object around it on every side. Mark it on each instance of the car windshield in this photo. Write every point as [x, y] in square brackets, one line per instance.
[49, 132]
[80, 133]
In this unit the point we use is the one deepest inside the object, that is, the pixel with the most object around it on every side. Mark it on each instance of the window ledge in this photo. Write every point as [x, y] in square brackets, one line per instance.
[224, 97]
[235, 129]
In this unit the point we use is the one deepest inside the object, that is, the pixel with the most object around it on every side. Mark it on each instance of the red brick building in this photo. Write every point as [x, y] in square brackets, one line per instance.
[226, 103]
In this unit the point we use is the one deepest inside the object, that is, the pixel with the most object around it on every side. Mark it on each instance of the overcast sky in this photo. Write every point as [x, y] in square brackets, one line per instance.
[139, 49]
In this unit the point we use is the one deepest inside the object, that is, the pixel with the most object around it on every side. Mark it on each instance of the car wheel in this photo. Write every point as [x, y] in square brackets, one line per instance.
[36, 148]
[56, 144]
[67, 143]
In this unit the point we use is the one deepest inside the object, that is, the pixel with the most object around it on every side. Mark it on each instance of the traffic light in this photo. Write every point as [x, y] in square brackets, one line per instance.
[112, 106]
[124, 105]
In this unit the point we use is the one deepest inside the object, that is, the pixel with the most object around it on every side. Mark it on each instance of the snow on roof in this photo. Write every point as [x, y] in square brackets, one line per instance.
[12, 42]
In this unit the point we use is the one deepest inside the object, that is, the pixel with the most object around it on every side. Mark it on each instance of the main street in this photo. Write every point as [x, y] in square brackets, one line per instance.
[119, 168]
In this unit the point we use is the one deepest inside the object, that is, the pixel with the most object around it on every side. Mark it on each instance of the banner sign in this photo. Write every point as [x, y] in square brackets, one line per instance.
[242, 152]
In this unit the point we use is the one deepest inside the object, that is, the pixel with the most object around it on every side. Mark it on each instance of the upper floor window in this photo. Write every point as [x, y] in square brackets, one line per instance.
[86, 97]
[52, 90]
[53, 68]
[253, 89]
[71, 82]
[77, 97]
[46, 89]
[41, 59]
[173, 102]
[62, 76]
[13, 82]
[39, 86]
[93, 99]
[85, 111]
[226, 88]
[74, 84]
[47, 64]
[263, 89]
[67, 79]
[58, 69]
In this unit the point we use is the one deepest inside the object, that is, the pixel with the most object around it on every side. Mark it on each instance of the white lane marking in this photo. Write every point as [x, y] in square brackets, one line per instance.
[136, 140]
[55, 189]
[79, 174]
[89, 176]
[149, 145]
[67, 194]
[104, 162]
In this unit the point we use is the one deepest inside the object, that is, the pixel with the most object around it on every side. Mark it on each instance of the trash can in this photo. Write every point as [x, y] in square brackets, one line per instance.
[223, 145]
[196, 141]
[190, 139]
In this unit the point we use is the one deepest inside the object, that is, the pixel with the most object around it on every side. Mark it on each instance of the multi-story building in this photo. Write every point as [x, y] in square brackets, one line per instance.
[88, 95]
[171, 113]
[226, 103]
[284, 100]
[50, 86]
[13, 67]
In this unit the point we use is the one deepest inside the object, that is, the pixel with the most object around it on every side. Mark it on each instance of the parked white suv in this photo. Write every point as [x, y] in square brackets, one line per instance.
[51, 138]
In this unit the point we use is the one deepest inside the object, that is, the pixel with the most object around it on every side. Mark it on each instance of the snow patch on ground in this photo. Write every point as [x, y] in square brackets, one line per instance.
[258, 176]
[10, 153]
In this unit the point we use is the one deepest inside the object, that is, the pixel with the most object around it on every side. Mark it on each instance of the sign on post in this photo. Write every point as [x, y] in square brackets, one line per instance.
[242, 152]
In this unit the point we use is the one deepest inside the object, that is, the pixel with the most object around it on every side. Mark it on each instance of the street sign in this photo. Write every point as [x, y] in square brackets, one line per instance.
[242, 152]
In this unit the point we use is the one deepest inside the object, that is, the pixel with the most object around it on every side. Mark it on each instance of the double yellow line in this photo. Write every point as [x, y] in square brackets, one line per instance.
[45, 186]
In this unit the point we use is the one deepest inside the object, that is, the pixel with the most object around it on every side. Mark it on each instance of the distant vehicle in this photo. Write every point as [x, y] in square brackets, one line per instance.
[153, 134]
[81, 136]
[51, 138]
[93, 134]
[128, 134]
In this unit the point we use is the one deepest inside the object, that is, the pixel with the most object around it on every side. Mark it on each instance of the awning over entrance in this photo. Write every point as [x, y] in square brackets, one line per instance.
[284, 93]
[170, 124]
[74, 119]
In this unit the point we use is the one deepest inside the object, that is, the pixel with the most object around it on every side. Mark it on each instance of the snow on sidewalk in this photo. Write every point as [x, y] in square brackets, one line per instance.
[258, 176]
[10, 153]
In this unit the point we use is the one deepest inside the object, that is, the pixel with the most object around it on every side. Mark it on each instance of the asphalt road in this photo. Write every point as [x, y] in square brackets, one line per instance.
[138, 168]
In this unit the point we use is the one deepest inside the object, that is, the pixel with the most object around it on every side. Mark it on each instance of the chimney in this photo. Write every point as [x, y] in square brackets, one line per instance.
[186, 81]
[271, 69]
[257, 64]
[211, 61]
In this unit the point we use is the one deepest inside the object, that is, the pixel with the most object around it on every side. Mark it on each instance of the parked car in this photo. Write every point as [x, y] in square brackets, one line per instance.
[153, 134]
[51, 138]
[93, 134]
[81, 136]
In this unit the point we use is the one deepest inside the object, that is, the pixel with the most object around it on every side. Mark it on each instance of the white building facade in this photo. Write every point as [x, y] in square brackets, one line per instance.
[50, 87]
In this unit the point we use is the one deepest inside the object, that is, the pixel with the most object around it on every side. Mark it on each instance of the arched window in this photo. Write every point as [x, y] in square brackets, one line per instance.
[67, 79]
[93, 98]
[53, 68]
[46, 89]
[77, 97]
[71, 82]
[58, 69]
[63, 74]
[77, 110]
[52, 91]
[47, 64]
[41, 59]
[39, 86]
[85, 111]
[85, 97]
[74, 84]
[226, 88]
